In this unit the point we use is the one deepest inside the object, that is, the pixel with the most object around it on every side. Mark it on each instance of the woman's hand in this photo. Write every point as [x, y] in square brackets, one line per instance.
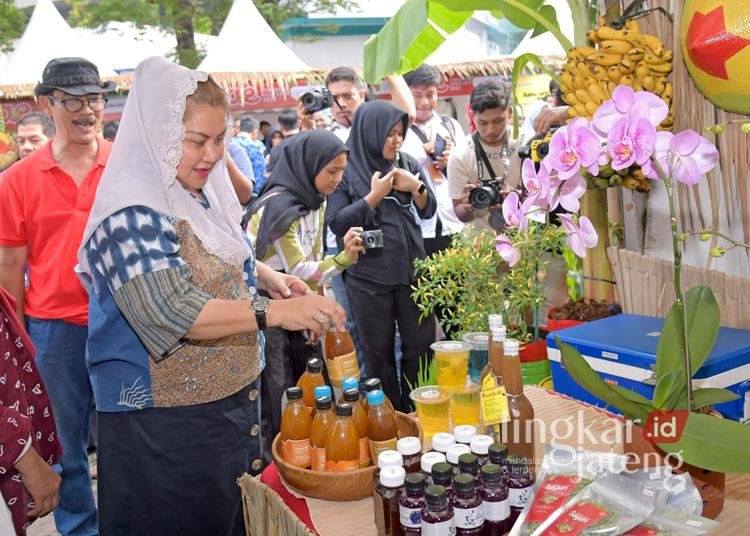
[312, 313]
[280, 286]
[379, 188]
[41, 481]
[353, 243]
[404, 181]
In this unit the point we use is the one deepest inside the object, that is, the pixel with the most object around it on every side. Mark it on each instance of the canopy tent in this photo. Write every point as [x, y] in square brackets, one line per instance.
[47, 36]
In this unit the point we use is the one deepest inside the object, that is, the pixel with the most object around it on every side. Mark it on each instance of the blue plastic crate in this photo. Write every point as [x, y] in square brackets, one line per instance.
[622, 349]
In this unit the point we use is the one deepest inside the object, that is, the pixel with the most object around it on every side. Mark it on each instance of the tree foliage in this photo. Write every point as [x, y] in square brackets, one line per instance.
[12, 23]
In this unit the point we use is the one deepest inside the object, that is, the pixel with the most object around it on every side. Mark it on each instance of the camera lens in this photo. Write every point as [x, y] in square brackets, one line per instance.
[542, 150]
[482, 197]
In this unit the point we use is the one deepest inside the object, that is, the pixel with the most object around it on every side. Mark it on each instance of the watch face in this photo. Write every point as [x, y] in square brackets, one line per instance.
[260, 304]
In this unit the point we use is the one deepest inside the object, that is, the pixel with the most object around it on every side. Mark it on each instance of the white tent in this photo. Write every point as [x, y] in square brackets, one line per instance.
[247, 44]
[461, 46]
[546, 44]
[47, 36]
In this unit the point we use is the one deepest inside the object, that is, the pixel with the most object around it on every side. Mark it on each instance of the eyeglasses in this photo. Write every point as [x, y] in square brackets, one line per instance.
[75, 104]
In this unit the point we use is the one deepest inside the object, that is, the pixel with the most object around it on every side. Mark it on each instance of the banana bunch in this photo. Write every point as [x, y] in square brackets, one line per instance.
[624, 56]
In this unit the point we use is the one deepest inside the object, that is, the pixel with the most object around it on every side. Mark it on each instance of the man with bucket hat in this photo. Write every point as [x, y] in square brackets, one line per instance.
[45, 201]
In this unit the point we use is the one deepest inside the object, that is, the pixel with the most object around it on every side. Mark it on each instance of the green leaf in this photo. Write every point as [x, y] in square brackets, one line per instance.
[519, 17]
[702, 316]
[710, 396]
[518, 66]
[632, 396]
[548, 13]
[586, 377]
[666, 387]
[713, 443]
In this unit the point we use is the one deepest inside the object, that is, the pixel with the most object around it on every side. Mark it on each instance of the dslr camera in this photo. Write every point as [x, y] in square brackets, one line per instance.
[316, 99]
[372, 239]
[486, 194]
[538, 146]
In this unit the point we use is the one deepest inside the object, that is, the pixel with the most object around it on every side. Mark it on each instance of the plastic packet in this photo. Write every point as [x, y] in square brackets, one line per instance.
[611, 505]
[665, 521]
[684, 495]
[565, 471]
[655, 480]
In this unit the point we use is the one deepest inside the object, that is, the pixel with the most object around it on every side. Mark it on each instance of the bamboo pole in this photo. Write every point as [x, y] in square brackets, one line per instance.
[597, 271]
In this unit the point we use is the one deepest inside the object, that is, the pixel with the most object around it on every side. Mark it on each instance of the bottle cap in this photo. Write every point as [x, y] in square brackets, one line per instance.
[392, 476]
[293, 393]
[463, 483]
[454, 451]
[499, 333]
[464, 433]
[314, 365]
[408, 445]
[373, 384]
[441, 441]
[510, 347]
[497, 453]
[436, 496]
[322, 390]
[491, 472]
[389, 458]
[468, 463]
[517, 466]
[350, 382]
[478, 341]
[430, 459]
[442, 473]
[495, 320]
[351, 395]
[375, 398]
[480, 443]
[344, 410]
[415, 482]
[323, 402]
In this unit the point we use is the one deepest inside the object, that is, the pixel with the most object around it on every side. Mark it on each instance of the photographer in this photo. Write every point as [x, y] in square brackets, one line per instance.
[488, 161]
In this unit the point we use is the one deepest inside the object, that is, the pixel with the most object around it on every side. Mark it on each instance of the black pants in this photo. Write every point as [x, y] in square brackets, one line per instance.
[432, 246]
[376, 310]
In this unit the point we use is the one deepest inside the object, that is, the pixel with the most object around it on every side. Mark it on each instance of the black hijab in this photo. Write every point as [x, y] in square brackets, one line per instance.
[372, 122]
[290, 193]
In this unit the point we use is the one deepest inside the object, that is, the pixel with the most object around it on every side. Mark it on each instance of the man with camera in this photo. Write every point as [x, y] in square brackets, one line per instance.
[487, 168]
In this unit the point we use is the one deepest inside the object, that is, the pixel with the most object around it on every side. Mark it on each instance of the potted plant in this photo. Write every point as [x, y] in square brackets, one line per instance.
[707, 444]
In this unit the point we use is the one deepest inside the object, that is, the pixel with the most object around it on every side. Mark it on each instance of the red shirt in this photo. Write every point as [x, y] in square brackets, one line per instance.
[42, 208]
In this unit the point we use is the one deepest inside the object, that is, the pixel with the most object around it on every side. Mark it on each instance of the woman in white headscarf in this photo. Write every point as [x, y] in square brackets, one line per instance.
[174, 351]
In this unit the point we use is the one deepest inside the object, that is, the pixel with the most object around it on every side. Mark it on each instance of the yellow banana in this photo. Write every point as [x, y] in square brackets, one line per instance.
[581, 52]
[582, 69]
[668, 91]
[627, 79]
[652, 59]
[591, 36]
[615, 46]
[630, 183]
[636, 54]
[582, 96]
[632, 24]
[637, 86]
[597, 94]
[604, 59]
[661, 68]
[641, 71]
[649, 83]
[614, 74]
[634, 38]
[668, 121]
[596, 71]
[607, 32]
[580, 110]
[572, 112]
[660, 85]
[570, 98]
[654, 44]
[668, 55]
[626, 65]
[591, 108]
[607, 86]
[566, 79]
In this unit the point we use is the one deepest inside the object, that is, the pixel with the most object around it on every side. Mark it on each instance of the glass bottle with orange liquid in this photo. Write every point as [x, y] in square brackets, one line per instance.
[382, 430]
[518, 432]
[341, 357]
[311, 378]
[351, 396]
[342, 449]
[493, 399]
[295, 430]
[319, 432]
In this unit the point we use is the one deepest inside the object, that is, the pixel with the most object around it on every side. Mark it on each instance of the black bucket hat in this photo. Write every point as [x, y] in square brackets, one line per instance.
[75, 76]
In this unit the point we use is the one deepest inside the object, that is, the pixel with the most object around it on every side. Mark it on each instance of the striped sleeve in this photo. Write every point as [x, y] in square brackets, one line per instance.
[161, 306]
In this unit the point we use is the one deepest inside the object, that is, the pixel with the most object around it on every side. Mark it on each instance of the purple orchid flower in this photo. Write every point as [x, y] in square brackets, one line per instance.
[567, 193]
[581, 236]
[572, 147]
[507, 251]
[537, 185]
[631, 138]
[512, 213]
[623, 99]
[685, 156]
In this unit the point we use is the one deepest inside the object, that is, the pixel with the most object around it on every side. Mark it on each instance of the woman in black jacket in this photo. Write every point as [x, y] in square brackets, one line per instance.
[384, 190]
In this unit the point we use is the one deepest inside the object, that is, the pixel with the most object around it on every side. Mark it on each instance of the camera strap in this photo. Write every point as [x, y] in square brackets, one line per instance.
[482, 158]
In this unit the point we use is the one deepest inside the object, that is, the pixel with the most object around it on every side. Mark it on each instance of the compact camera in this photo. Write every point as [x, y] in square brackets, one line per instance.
[372, 239]
[486, 194]
[538, 147]
[316, 99]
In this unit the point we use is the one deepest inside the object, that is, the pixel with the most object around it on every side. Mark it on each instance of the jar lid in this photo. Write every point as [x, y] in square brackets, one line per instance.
[392, 476]
[495, 319]
[430, 459]
[477, 340]
[464, 432]
[314, 365]
[415, 482]
[408, 445]
[463, 482]
[323, 402]
[322, 390]
[293, 393]
[454, 451]
[510, 347]
[498, 452]
[442, 440]
[480, 443]
[498, 333]
[376, 397]
[468, 463]
[491, 472]
[350, 382]
[442, 473]
[436, 496]
[390, 458]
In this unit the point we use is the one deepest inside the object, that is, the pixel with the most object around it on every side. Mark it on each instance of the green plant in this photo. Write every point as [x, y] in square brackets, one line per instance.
[426, 373]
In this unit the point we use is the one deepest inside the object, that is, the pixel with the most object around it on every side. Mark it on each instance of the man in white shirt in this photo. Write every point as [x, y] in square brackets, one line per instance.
[430, 140]
[489, 155]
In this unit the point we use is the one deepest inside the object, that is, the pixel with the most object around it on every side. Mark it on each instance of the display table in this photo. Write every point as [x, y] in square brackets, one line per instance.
[271, 509]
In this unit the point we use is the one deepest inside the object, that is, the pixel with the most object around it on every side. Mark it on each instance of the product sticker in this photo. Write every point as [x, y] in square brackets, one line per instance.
[574, 520]
[496, 511]
[552, 494]
[410, 517]
[494, 403]
[468, 518]
[443, 528]
[318, 458]
[364, 452]
[520, 496]
[342, 366]
[296, 452]
[376, 447]
[342, 465]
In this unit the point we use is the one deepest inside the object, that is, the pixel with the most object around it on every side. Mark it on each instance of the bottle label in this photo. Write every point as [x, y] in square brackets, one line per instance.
[342, 465]
[364, 452]
[496, 511]
[574, 520]
[441, 528]
[410, 517]
[318, 458]
[342, 366]
[376, 447]
[494, 402]
[520, 496]
[468, 518]
[296, 452]
[552, 494]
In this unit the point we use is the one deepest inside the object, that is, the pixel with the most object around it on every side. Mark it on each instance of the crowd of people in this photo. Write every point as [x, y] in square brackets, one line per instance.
[175, 279]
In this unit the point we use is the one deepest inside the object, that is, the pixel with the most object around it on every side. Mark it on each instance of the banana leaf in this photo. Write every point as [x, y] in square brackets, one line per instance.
[518, 65]
[710, 396]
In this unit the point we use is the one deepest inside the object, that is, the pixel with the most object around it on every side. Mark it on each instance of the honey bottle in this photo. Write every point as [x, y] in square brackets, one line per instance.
[342, 449]
[518, 432]
[310, 379]
[320, 431]
[351, 396]
[341, 356]
[295, 430]
[382, 430]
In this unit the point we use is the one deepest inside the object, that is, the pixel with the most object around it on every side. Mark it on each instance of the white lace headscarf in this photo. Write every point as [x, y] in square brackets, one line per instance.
[142, 168]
